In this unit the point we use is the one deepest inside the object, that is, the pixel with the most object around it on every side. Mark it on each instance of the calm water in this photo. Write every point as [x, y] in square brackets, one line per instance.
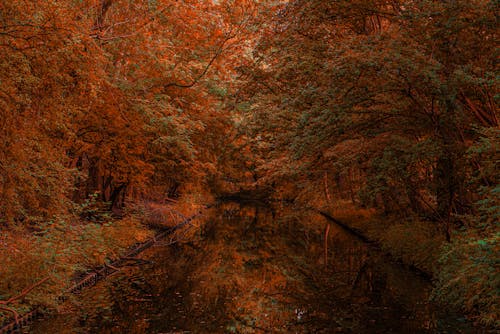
[250, 269]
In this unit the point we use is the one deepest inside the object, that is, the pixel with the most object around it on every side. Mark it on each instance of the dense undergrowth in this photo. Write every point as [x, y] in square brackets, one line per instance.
[469, 265]
[60, 250]
[57, 253]
[468, 276]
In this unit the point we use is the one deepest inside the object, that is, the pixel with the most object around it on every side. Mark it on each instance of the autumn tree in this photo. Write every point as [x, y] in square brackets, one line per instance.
[42, 58]
[112, 98]
[393, 91]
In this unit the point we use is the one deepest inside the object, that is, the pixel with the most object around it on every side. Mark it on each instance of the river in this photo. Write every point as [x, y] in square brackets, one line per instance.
[250, 268]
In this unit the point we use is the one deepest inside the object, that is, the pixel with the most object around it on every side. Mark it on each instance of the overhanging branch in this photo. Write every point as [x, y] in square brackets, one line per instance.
[205, 70]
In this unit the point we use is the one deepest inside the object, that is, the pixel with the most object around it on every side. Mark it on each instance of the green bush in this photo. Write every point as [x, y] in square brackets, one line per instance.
[469, 278]
[470, 265]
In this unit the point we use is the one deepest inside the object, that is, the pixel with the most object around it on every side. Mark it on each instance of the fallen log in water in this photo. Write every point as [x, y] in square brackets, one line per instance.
[17, 321]
[346, 227]
[374, 243]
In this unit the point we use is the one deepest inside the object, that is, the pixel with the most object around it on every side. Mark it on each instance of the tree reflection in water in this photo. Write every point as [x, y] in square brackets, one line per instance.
[251, 269]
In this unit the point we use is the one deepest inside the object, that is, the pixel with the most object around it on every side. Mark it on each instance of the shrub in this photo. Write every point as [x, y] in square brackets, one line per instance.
[469, 276]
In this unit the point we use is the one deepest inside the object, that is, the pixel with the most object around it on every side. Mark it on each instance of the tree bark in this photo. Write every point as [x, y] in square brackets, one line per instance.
[327, 192]
[327, 231]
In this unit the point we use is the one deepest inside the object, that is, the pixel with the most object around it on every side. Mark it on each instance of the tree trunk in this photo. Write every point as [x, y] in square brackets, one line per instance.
[327, 231]
[327, 192]
[93, 177]
[116, 203]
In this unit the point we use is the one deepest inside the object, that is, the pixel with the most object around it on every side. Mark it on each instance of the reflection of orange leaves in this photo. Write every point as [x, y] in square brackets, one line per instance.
[248, 174]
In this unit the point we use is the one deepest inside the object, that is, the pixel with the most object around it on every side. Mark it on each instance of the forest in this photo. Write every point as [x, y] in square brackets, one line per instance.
[119, 119]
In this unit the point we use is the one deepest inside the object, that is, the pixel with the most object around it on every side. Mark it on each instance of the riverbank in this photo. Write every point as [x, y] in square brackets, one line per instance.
[252, 268]
[414, 243]
[463, 271]
[40, 265]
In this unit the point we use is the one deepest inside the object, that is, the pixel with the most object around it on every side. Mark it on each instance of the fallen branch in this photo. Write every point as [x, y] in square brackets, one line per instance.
[24, 292]
[111, 267]
[89, 280]
[168, 199]
[14, 313]
[327, 230]
[135, 259]
[345, 226]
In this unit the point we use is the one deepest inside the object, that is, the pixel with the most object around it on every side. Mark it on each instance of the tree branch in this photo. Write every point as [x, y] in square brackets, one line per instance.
[205, 70]
[24, 292]
[8, 309]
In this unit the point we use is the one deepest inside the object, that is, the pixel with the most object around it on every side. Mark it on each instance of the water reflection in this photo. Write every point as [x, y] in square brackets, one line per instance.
[251, 269]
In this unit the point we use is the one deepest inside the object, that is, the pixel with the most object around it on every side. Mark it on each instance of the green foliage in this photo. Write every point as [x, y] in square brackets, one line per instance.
[414, 243]
[469, 266]
[385, 81]
[394, 105]
[58, 250]
[485, 153]
[469, 278]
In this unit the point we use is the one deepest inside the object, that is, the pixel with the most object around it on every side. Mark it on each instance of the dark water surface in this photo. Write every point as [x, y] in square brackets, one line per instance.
[252, 269]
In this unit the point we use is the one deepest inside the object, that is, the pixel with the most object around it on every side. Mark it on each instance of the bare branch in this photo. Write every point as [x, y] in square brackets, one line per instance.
[24, 292]
[14, 313]
[205, 70]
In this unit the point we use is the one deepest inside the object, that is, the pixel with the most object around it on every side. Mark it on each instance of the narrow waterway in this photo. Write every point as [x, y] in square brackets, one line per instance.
[255, 269]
